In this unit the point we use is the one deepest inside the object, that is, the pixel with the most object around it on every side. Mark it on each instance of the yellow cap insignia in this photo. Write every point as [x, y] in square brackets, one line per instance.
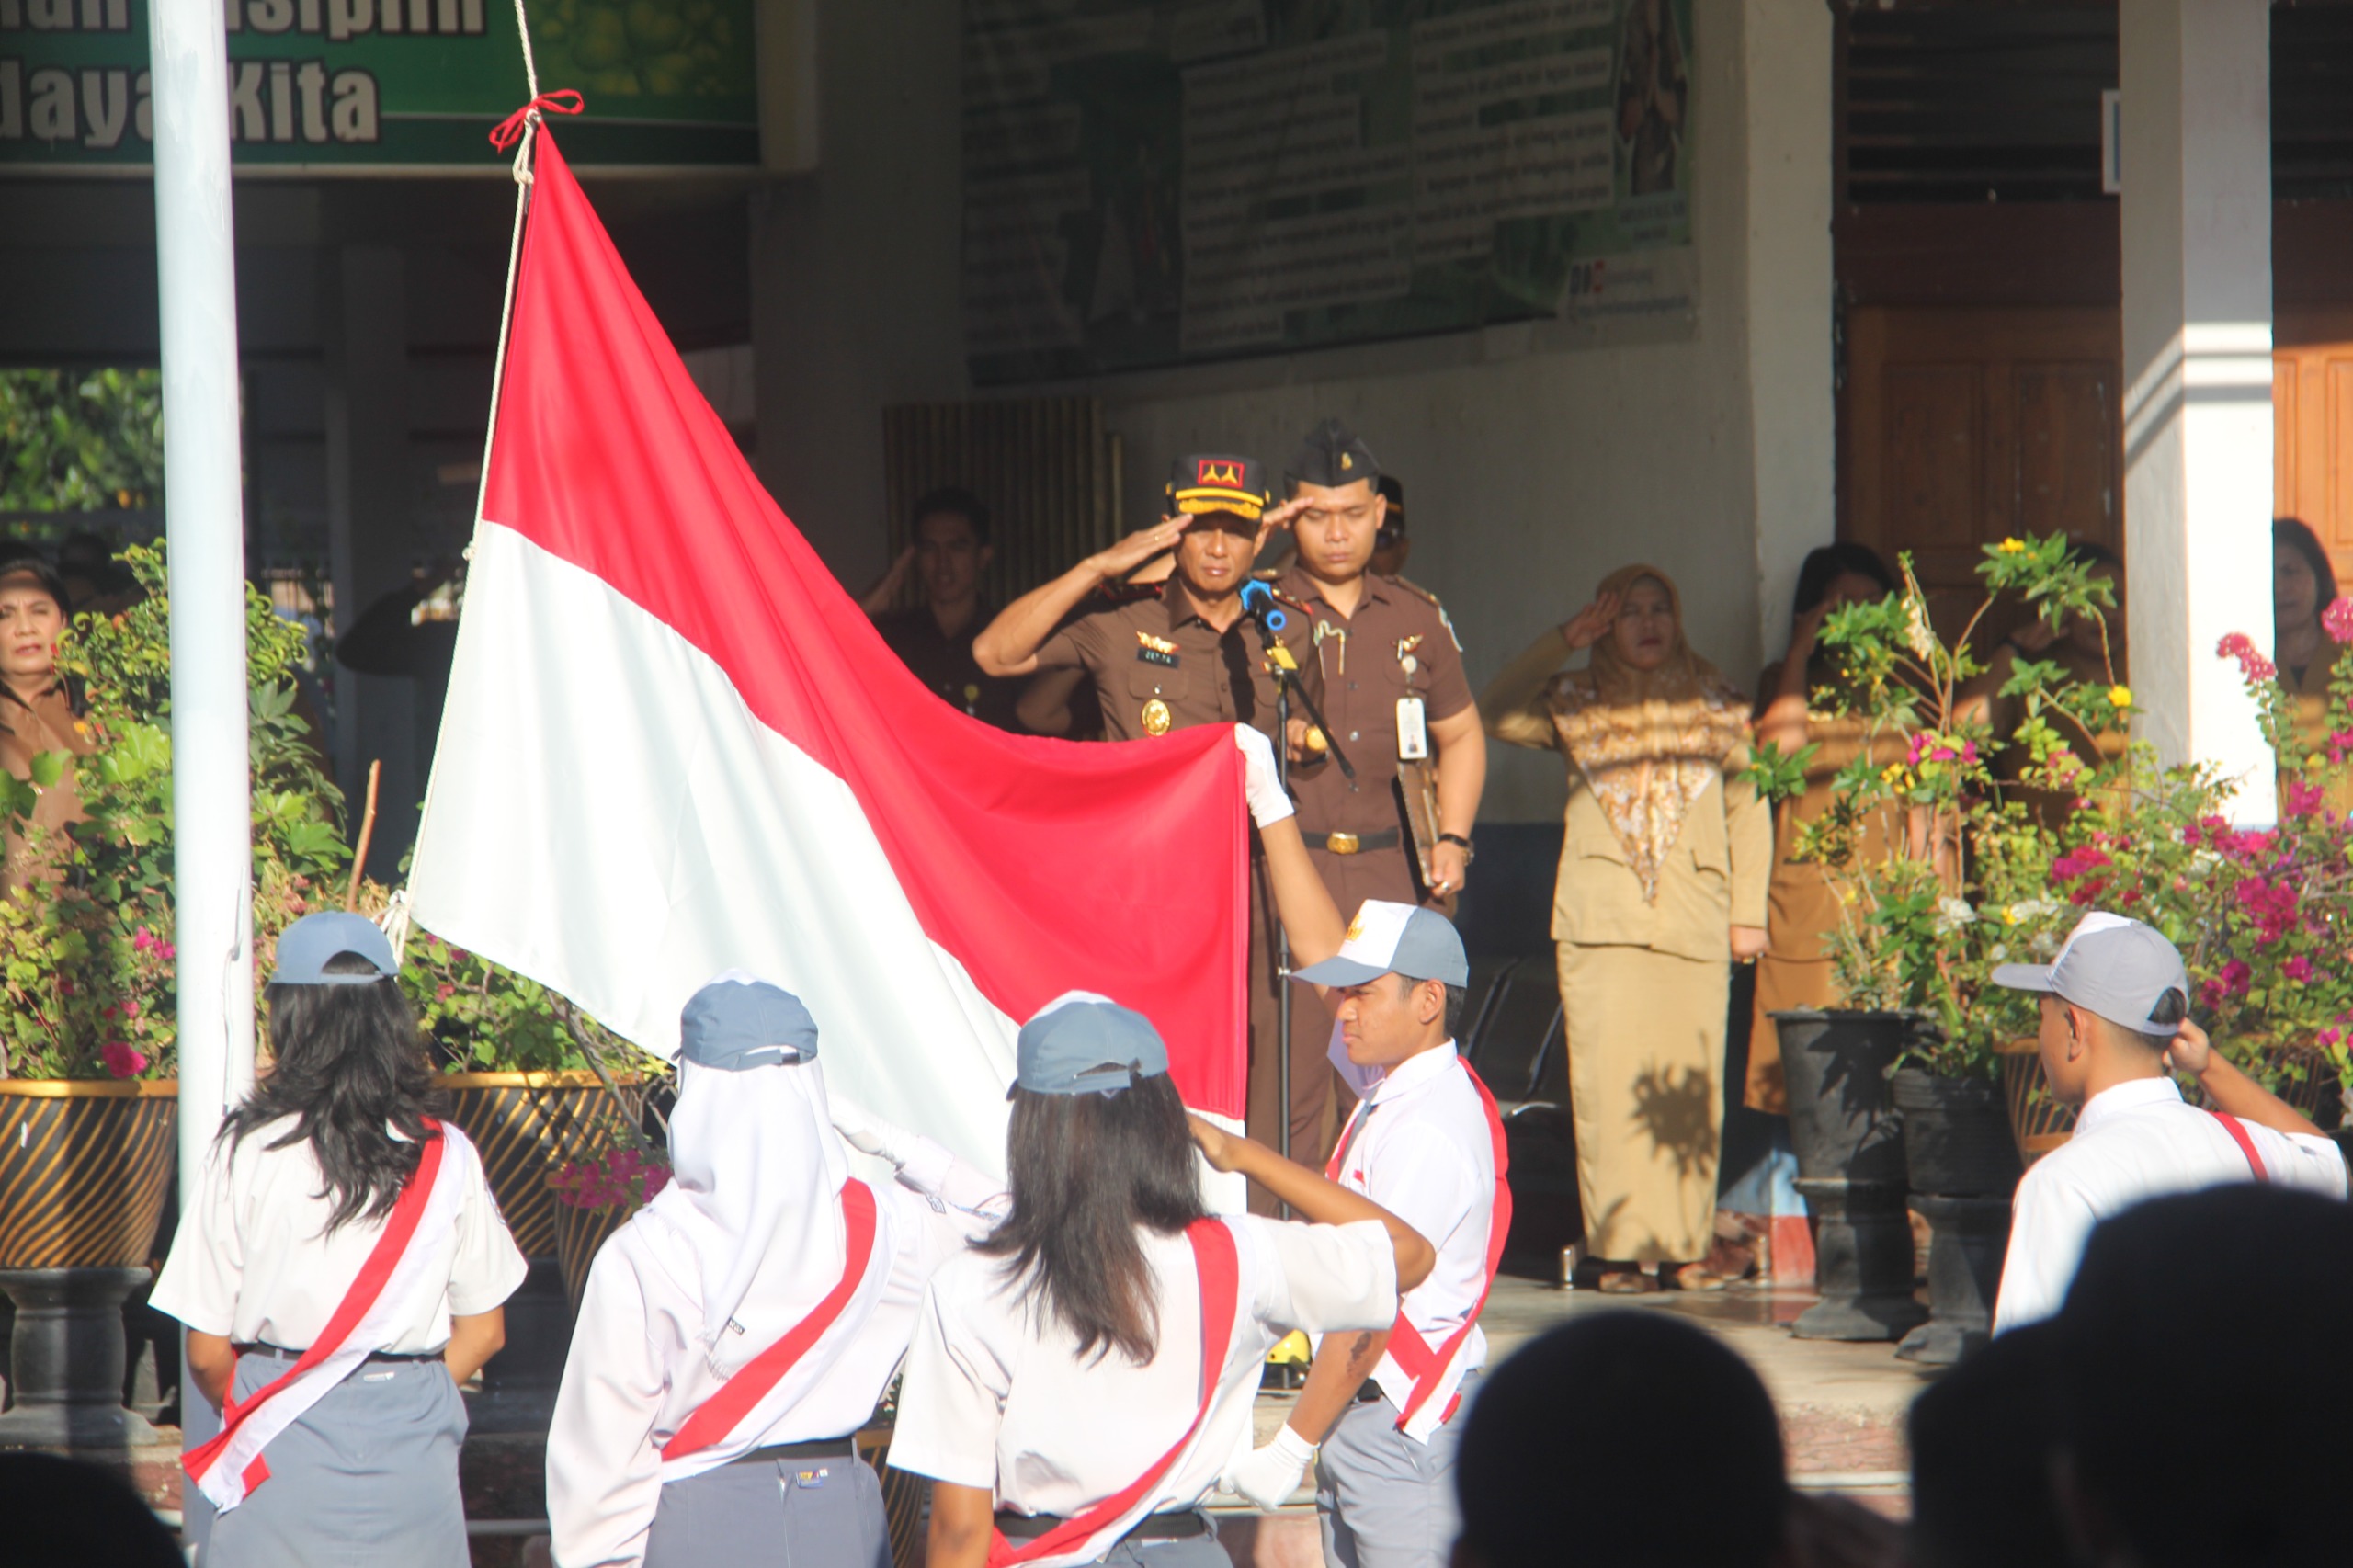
[1355, 929]
[1156, 718]
[1346, 462]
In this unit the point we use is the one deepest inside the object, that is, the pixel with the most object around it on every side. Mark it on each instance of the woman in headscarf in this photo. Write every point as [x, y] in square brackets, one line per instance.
[1802, 911]
[737, 1332]
[1664, 864]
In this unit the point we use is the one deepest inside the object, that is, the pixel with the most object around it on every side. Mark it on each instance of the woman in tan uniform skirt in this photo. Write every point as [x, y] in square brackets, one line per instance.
[1664, 869]
[1802, 911]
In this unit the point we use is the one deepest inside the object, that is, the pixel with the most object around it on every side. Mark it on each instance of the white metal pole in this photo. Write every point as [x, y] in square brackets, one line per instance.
[204, 527]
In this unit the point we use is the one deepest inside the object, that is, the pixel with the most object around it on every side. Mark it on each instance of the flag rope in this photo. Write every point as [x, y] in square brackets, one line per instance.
[527, 136]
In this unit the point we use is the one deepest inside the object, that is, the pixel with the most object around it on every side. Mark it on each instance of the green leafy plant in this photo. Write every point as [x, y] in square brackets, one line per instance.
[1967, 880]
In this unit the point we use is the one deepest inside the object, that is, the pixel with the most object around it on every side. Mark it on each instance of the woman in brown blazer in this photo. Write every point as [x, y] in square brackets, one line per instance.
[1664, 864]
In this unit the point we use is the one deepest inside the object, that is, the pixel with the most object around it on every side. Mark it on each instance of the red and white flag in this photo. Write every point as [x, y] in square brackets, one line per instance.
[673, 746]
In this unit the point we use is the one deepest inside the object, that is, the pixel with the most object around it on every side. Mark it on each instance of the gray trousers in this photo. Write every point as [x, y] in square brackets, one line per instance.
[1383, 1500]
[367, 1478]
[809, 1513]
[1193, 1552]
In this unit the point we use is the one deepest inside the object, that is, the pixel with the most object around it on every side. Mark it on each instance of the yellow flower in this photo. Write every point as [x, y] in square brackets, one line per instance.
[2315, 763]
[2120, 696]
[2013, 546]
[1893, 774]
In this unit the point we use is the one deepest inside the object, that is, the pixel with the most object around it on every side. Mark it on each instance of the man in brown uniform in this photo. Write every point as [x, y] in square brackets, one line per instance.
[949, 551]
[1393, 692]
[1167, 655]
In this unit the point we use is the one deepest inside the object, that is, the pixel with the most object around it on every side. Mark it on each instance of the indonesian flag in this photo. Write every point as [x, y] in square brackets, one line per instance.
[673, 746]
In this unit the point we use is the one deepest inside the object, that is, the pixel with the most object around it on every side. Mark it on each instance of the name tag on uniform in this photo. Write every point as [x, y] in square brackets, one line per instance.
[1151, 650]
[1413, 735]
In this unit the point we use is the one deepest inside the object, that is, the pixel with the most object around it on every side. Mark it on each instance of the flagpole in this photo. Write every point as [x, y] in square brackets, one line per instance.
[204, 529]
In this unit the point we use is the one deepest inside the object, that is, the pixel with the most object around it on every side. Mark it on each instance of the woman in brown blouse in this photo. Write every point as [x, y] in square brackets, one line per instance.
[39, 712]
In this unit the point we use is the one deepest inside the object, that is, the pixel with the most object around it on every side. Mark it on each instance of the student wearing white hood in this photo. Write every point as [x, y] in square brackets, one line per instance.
[736, 1332]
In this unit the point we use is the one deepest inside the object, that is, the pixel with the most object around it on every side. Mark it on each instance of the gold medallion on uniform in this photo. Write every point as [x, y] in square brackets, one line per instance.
[1156, 718]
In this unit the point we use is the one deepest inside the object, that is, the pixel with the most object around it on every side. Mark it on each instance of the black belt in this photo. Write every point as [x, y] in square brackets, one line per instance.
[1176, 1524]
[1353, 843]
[279, 1352]
[784, 1454]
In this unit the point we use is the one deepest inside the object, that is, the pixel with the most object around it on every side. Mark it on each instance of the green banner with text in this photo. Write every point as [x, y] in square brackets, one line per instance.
[383, 85]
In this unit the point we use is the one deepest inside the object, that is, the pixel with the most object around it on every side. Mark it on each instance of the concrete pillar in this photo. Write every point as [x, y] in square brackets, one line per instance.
[1786, 76]
[2196, 163]
[364, 317]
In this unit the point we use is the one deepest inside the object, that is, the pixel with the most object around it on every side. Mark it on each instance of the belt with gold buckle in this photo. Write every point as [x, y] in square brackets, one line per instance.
[1352, 843]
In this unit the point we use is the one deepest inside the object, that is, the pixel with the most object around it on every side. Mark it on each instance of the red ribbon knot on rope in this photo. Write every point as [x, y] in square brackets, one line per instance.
[510, 129]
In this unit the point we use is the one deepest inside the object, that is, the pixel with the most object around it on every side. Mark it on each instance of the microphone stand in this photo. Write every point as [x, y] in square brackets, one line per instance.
[1261, 609]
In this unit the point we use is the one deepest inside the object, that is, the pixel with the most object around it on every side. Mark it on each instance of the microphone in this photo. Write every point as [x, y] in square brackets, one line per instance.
[1258, 599]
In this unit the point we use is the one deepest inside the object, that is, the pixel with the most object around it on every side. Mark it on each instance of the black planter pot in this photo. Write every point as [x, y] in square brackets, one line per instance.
[1849, 1143]
[67, 1358]
[1964, 1166]
[519, 1384]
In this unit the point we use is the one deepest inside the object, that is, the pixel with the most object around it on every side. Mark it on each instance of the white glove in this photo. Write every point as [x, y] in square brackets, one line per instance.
[1261, 786]
[866, 1132]
[1271, 1474]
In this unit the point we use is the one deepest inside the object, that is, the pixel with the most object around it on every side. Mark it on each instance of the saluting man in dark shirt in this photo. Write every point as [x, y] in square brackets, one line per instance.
[1394, 691]
[949, 551]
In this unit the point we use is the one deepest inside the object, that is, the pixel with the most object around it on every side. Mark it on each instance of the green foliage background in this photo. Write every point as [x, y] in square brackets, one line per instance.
[81, 441]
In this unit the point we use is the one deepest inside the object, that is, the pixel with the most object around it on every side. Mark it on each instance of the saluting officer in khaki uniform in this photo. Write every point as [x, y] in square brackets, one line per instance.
[1394, 691]
[1167, 655]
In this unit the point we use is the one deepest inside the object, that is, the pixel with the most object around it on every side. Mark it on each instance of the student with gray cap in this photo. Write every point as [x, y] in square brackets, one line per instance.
[737, 1331]
[1082, 1376]
[1382, 1414]
[2115, 1029]
[343, 1343]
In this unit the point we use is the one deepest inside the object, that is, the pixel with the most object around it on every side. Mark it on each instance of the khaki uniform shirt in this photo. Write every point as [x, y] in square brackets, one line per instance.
[1157, 667]
[1397, 644]
[28, 729]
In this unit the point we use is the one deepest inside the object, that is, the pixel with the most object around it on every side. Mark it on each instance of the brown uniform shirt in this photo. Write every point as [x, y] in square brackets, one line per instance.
[1157, 667]
[27, 730]
[1397, 644]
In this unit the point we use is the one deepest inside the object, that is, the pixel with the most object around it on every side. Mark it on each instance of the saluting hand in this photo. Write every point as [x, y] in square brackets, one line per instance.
[1217, 1145]
[1138, 548]
[1591, 624]
[2192, 1051]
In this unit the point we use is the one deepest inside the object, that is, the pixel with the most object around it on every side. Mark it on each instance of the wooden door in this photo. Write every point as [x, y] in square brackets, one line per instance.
[2312, 408]
[1962, 426]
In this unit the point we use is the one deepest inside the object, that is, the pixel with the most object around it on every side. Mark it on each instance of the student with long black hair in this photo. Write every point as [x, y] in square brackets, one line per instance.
[341, 1268]
[1080, 1378]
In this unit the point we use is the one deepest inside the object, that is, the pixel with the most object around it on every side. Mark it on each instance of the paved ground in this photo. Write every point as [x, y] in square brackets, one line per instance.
[1842, 1406]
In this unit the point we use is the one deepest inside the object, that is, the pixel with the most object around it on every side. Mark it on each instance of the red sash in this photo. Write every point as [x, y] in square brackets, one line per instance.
[715, 1417]
[407, 1209]
[1220, 1277]
[1406, 1346]
[2232, 1125]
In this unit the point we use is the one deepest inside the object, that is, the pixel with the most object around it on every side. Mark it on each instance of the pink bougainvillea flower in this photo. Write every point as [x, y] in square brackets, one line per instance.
[2299, 969]
[121, 1059]
[2300, 799]
[2337, 621]
[2234, 645]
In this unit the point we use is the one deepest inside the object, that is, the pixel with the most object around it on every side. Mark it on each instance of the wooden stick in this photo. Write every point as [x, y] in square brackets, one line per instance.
[366, 832]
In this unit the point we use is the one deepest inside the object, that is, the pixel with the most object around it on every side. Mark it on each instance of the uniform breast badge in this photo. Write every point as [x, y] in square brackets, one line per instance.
[1153, 650]
[1156, 718]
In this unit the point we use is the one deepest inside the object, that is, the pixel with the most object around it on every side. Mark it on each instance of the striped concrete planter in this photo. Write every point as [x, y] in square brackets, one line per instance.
[83, 1167]
[527, 1125]
[579, 1232]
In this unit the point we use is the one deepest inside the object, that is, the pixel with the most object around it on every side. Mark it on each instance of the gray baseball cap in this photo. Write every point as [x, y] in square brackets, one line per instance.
[2111, 965]
[1080, 1043]
[1394, 938]
[304, 947]
[737, 1022]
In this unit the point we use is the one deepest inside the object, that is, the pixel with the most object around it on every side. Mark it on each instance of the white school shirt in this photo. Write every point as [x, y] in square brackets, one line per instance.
[252, 1260]
[638, 1369]
[1424, 1151]
[2137, 1140]
[996, 1396]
